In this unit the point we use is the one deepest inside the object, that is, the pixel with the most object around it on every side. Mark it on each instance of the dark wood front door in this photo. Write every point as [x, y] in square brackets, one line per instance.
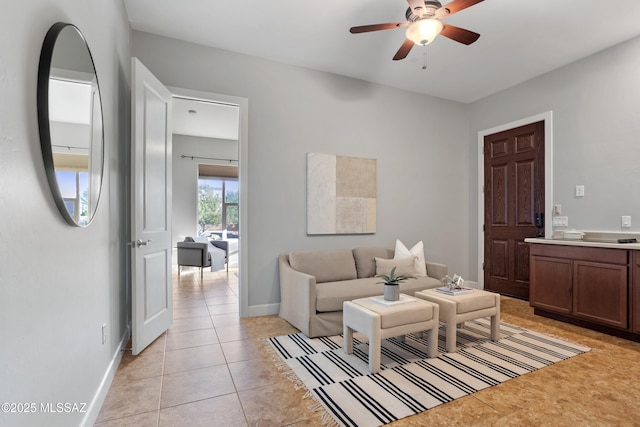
[513, 194]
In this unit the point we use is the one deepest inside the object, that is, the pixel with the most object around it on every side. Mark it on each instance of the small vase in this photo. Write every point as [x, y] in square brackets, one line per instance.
[391, 292]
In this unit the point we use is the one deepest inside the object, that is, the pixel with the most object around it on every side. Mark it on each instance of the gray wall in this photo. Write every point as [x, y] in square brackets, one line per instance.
[419, 142]
[596, 123]
[185, 179]
[59, 284]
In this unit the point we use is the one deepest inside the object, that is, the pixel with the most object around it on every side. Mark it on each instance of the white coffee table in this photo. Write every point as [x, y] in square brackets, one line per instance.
[378, 321]
[456, 309]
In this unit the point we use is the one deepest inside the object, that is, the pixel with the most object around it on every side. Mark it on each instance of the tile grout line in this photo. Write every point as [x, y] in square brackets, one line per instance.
[164, 358]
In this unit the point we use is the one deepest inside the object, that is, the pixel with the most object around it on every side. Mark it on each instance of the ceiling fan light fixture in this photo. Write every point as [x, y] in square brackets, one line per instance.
[423, 31]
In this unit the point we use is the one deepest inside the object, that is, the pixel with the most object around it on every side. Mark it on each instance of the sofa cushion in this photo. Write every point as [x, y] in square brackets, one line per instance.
[325, 266]
[404, 267]
[331, 295]
[365, 262]
[416, 251]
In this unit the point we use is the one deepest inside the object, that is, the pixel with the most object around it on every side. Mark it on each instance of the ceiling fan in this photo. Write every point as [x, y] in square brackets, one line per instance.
[423, 24]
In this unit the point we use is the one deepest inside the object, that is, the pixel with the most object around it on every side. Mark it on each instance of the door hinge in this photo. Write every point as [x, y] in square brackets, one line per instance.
[482, 227]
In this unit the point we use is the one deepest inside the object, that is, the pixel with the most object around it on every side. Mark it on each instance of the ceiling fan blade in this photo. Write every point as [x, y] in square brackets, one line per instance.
[459, 34]
[455, 6]
[377, 27]
[404, 50]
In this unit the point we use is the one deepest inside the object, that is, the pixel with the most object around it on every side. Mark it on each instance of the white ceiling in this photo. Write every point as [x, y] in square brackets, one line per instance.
[205, 119]
[520, 39]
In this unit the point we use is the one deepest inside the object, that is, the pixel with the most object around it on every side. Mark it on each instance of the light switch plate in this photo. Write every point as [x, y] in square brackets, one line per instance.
[561, 221]
[625, 221]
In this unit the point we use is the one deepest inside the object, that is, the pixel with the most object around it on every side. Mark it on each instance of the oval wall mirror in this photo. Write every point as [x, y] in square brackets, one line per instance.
[70, 122]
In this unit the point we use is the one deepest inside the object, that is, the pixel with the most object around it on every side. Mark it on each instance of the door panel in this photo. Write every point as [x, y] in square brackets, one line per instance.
[499, 190]
[499, 261]
[152, 309]
[525, 198]
[514, 192]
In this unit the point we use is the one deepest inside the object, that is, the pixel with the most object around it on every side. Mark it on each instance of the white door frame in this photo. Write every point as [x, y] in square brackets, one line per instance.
[547, 117]
[243, 180]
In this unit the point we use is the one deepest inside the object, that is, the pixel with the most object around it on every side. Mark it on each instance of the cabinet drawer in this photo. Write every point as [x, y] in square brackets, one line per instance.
[608, 255]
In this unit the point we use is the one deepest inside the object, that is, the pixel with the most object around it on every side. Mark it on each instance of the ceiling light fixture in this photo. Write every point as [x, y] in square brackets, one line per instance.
[423, 31]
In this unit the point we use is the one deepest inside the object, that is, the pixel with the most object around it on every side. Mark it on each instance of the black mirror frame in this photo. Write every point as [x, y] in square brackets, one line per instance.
[44, 68]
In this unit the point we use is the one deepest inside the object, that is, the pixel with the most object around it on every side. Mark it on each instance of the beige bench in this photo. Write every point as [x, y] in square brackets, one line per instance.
[455, 310]
[378, 321]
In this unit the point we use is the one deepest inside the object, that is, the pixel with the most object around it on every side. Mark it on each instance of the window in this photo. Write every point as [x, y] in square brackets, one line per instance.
[218, 207]
[75, 199]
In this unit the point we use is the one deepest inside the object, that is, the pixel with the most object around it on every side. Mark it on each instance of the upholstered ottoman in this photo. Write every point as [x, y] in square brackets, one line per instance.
[455, 309]
[378, 321]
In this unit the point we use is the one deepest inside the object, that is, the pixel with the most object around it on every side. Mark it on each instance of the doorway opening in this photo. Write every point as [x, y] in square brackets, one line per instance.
[209, 160]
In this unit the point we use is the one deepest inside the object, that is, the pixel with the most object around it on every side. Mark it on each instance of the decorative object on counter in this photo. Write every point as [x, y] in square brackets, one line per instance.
[391, 282]
[572, 235]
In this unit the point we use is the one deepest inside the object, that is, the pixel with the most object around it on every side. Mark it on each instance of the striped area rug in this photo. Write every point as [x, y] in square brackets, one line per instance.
[409, 382]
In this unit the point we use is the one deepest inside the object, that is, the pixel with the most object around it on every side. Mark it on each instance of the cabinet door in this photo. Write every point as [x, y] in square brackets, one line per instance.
[600, 293]
[550, 287]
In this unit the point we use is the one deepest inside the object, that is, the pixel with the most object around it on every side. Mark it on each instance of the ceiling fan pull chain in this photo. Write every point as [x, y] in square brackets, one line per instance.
[424, 63]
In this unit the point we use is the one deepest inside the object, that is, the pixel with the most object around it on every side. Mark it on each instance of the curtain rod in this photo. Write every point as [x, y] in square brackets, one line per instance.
[207, 158]
[69, 147]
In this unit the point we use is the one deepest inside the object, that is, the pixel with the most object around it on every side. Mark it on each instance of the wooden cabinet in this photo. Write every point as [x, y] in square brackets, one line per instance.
[600, 293]
[550, 283]
[590, 285]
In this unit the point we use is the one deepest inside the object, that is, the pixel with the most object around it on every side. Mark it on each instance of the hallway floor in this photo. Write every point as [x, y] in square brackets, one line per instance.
[210, 369]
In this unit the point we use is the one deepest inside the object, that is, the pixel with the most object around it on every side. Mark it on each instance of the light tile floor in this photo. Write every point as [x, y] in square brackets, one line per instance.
[210, 369]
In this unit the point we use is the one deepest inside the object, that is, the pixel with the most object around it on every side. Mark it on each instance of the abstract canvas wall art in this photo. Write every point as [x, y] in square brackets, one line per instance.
[341, 194]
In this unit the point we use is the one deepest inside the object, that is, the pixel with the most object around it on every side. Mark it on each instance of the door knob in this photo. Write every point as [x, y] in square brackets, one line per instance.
[142, 243]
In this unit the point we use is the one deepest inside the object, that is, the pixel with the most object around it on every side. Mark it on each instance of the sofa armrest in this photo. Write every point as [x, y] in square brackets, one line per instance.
[437, 270]
[193, 254]
[297, 295]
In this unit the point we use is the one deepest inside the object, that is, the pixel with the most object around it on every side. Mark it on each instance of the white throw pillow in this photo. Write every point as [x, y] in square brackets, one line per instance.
[404, 267]
[417, 251]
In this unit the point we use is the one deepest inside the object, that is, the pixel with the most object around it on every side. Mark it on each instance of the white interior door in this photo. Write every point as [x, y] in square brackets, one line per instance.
[152, 311]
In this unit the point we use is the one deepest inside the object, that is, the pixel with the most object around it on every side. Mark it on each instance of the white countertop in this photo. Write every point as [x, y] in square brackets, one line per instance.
[586, 243]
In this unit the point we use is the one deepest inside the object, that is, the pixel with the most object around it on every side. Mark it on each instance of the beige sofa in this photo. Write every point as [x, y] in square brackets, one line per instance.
[314, 284]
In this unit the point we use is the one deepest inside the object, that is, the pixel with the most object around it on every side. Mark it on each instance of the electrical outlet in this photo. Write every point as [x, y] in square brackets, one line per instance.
[557, 209]
[104, 333]
[625, 221]
[579, 190]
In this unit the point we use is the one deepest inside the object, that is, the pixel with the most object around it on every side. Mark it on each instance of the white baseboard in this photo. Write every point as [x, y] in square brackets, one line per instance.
[263, 310]
[101, 394]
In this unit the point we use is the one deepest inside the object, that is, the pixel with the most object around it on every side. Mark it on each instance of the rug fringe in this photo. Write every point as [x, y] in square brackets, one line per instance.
[328, 420]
